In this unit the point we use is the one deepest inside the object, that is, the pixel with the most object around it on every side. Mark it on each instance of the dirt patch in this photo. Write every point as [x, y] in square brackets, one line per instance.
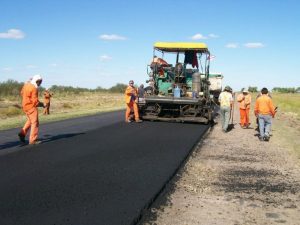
[233, 178]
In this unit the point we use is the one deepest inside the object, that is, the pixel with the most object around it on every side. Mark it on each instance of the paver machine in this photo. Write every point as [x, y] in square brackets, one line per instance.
[178, 84]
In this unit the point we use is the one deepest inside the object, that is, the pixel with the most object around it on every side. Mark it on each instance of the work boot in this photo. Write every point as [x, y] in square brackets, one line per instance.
[266, 138]
[35, 143]
[21, 137]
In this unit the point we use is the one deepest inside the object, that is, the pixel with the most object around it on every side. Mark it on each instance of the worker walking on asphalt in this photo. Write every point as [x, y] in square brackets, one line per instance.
[47, 96]
[131, 98]
[245, 101]
[265, 111]
[30, 102]
[226, 101]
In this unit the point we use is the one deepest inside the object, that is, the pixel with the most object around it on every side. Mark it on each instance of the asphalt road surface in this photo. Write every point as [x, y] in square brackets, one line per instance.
[90, 170]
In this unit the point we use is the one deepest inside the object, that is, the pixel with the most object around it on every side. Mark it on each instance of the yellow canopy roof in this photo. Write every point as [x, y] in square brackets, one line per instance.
[180, 46]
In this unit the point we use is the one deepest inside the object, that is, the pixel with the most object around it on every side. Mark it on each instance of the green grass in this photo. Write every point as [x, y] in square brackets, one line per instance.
[288, 103]
[287, 122]
[10, 111]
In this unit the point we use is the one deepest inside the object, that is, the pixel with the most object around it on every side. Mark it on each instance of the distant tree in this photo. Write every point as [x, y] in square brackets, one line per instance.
[10, 88]
[284, 90]
[68, 89]
[252, 89]
[118, 88]
[100, 89]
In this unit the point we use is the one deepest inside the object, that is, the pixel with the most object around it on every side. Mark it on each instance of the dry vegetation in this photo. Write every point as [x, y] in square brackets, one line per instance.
[62, 107]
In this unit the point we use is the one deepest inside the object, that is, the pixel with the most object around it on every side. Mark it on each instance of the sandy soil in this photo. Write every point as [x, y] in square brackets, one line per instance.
[232, 178]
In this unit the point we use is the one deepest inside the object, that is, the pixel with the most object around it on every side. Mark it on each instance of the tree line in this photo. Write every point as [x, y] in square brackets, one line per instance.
[13, 88]
[278, 89]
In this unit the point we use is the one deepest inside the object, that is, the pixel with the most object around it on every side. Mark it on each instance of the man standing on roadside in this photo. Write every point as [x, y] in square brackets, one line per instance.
[131, 98]
[47, 96]
[30, 102]
[245, 101]
[265, 111]
[226, 100]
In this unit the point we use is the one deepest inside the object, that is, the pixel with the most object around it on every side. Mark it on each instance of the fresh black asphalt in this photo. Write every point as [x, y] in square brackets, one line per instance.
[106, 174]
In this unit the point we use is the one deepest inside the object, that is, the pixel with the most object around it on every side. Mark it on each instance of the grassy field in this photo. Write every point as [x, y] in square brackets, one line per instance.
[287, 121]
[289, 103]
[62, 107]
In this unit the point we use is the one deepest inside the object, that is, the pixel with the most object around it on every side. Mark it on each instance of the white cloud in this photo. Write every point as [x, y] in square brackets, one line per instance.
[7, 69]
[105, 58]
[213, 36]
[232, 45]
[31, 67]
[53, 65]
[254, 45]
[112, 37]
[198, 37]
[12, 34]
[203, 37]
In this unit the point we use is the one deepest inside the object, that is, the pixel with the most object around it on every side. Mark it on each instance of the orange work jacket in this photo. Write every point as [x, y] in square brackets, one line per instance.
[244, 100]
[264, 105]
[47, 97]
[130, 94]
[29, 94]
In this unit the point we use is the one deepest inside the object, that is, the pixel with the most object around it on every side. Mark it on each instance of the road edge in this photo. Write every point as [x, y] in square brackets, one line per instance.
[144, 210]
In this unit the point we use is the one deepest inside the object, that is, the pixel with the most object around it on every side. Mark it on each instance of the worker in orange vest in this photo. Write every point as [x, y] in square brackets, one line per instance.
[245, 101]
[47, 96]
[30, 102]
[131, 97]
[265, 111]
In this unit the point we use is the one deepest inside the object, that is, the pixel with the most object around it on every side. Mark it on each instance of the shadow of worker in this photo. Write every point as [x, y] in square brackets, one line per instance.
[46, 138]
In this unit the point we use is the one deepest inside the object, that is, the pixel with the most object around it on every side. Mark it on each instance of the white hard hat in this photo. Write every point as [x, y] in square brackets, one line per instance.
[245, 90]
[37, 77]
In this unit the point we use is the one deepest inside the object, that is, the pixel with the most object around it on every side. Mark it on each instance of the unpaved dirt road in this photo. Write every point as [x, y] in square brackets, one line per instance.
[232, 178]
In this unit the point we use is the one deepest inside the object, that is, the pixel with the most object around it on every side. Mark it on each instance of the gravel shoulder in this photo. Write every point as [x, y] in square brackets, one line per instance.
[232, 178]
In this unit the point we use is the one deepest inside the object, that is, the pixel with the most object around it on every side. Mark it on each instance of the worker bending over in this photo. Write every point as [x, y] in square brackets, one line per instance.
[131, 98]
[265, 111]
[30, 102]
[245, 101]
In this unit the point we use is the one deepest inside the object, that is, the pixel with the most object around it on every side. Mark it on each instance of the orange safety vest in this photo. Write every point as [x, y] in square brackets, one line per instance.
[47, 97]
[29, 94]
[130, 94]
[264, 105]
[244, 103]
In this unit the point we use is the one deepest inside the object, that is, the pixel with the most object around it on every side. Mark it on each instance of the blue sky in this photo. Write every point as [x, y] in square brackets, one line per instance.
[101, 43]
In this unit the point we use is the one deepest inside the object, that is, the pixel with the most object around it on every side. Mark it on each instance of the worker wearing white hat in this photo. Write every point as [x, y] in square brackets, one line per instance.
[30, 102]
[244, 99]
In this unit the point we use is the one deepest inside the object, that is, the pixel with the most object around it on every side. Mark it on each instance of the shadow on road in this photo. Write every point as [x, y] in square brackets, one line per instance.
[45, 138]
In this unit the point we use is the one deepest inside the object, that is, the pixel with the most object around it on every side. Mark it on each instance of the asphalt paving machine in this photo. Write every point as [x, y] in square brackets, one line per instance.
[180, 91]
